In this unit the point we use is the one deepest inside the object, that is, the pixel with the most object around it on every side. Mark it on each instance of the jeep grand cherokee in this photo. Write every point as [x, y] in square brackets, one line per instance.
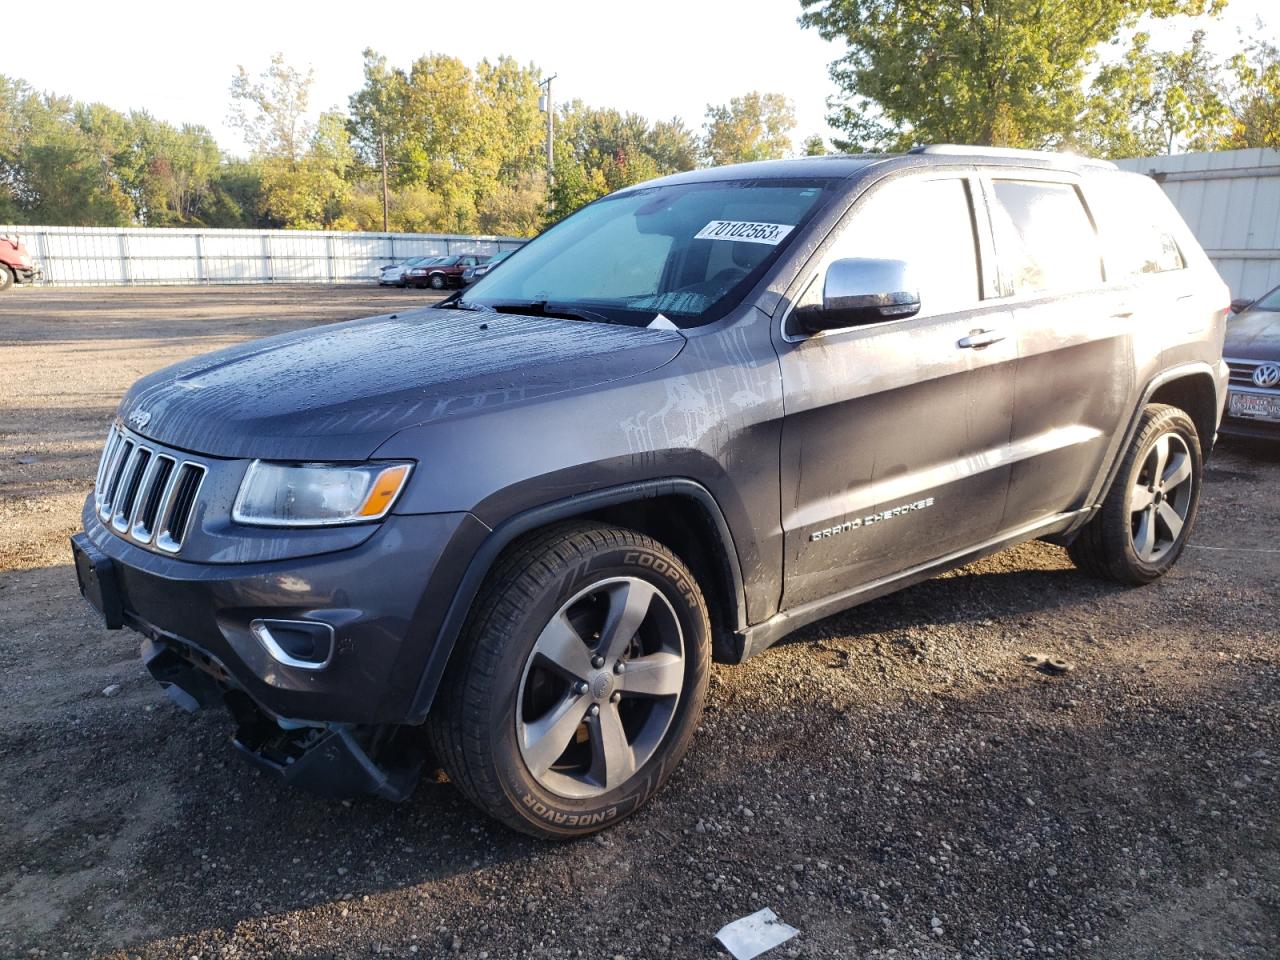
[511, 532]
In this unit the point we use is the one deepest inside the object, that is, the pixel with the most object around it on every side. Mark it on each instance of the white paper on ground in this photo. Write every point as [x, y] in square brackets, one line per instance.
[753, 935]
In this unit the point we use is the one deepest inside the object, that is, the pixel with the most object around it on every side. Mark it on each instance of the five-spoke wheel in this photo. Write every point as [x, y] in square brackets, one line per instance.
[1148, 514]
[600, 687]
[1161, 497]
[580, 683]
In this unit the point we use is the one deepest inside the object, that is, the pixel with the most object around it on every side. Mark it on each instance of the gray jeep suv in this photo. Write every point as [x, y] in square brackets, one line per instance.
[509, 533]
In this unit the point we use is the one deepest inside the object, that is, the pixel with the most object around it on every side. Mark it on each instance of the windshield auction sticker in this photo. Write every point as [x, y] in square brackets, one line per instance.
[744, 231]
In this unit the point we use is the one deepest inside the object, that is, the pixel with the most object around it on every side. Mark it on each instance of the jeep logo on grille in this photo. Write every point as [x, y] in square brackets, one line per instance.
[1267, 375]
[139, 418]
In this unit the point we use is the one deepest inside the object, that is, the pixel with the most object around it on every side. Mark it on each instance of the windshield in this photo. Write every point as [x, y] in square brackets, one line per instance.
[1268, 301]
[688, 251]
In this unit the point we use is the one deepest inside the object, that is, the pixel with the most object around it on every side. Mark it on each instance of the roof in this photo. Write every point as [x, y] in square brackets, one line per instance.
[842, 166]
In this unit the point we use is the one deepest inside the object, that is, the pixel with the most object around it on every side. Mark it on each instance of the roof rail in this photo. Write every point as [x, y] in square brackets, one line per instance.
[1013, 153]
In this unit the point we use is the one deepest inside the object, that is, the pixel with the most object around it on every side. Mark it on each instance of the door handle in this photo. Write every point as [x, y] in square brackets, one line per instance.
[977, 339]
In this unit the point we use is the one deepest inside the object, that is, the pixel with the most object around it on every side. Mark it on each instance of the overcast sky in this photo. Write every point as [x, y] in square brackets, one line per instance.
[664, 58]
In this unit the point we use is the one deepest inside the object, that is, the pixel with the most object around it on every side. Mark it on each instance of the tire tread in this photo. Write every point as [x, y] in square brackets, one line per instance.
[458, 726]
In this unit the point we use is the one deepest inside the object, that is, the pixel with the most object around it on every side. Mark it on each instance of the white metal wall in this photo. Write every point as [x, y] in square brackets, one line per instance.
[77, 256]
[1231, 201]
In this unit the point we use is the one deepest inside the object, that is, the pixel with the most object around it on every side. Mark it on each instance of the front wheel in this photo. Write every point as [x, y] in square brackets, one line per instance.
[1147, 517]
[437, 282]
[578, 682]
[6, 277]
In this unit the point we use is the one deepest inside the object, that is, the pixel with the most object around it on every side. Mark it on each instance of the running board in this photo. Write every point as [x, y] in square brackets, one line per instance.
[763, 635]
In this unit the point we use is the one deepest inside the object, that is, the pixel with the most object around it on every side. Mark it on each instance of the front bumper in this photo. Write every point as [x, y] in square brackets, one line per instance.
[384, 599]
[1256, 429]
[27, 274]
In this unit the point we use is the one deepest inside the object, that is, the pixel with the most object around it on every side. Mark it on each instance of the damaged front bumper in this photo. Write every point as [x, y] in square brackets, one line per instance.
[329, 759]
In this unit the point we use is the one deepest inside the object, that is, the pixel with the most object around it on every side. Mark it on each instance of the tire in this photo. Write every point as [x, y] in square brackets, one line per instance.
[537, 654]
[437, 281]
[1143, 525]
[6, 277]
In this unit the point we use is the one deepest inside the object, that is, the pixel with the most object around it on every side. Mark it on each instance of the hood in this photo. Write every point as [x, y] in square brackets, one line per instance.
[337, 392]
[1253, 335]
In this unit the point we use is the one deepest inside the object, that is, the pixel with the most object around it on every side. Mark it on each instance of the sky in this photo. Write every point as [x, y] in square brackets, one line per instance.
[659, 58]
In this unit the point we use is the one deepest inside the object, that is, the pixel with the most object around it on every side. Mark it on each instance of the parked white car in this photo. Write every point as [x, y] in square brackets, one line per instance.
[392, 275]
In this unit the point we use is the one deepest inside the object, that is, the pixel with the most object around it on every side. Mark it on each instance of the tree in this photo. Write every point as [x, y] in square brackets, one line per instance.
[270, 111]
[1254, 97]
[1002, 72]
[1154, 102]
[302, 164]
[756, 126]
[601, 150]
[814, 146]
[54, 168]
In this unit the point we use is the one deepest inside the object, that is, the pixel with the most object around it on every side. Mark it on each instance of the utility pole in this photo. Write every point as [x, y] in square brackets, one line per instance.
[384, 182]
[548, 106]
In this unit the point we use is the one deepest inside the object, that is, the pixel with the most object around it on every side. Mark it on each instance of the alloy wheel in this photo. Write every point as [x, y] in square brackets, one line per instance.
[600, 687]
[1161, 497]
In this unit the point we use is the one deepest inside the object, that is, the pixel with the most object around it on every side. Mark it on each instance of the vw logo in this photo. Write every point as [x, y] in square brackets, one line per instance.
[140, 418]
[1267, 375]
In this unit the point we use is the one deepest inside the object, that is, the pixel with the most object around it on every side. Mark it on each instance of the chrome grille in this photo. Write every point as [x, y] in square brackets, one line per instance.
[145, 494]
[1242, 372]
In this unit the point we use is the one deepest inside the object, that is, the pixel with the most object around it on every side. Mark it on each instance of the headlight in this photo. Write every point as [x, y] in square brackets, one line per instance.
[317, 494]
[418, 273]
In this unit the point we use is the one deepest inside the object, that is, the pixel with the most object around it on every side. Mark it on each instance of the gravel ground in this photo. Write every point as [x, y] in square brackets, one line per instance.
[896, 781]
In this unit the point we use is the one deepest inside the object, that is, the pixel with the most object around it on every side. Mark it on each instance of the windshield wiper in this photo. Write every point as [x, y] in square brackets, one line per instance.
[545, 308]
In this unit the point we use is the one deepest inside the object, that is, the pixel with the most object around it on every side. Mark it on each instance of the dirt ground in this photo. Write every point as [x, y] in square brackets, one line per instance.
[896, 781]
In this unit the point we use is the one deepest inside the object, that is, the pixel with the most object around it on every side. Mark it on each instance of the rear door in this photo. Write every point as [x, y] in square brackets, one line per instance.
[1075, 333]
[894, 435]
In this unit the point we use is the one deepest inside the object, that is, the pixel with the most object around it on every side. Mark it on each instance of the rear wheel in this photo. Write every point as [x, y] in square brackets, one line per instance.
[1150, 510]
[6, 277]
[578, 683]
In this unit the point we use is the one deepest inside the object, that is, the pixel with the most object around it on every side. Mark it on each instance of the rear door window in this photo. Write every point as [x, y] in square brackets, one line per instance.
[1045, 240]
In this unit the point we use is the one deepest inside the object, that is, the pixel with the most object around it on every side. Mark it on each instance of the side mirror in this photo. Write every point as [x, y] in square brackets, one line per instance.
[859, 291]
[1240, 303]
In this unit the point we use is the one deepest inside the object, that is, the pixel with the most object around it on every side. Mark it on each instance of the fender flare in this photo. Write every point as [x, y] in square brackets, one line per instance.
[540, 516]
[1108, 476]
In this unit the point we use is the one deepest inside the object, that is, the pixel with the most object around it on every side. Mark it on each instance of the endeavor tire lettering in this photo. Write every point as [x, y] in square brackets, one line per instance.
[542, 811]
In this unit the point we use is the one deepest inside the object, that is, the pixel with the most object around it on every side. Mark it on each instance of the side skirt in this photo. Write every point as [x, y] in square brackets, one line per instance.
[763, 635]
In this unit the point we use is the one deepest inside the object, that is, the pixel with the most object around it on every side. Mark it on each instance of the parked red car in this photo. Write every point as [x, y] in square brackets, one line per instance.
[446, 272]
[15, 263]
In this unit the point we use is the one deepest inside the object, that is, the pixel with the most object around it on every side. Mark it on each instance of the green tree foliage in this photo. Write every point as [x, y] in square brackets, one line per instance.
[1253, 97]
[814, 146]
[1005, 72]
[302, 165]
[1153, 102]
[598, 151]
[455, 137]
[755, 126]
[78, 164]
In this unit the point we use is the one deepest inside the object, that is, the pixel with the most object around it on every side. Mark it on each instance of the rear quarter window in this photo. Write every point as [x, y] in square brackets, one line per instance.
[1139, 226]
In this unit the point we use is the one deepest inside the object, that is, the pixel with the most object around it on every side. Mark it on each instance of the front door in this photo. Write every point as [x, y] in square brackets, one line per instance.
[895, 435]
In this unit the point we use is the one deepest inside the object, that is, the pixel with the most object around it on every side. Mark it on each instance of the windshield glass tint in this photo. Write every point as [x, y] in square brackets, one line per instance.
[1269, 301]
[688, 251]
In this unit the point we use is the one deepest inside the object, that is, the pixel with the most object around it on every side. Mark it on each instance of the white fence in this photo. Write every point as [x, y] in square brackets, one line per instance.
[1231, 201]
[81, 256]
